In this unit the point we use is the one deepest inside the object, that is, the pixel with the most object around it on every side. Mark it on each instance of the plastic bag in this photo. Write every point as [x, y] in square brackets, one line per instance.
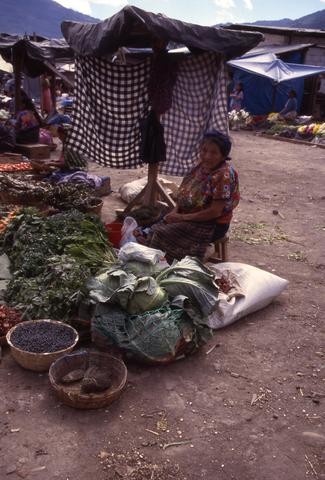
[129, 225]
[135, 251]
[254, 290]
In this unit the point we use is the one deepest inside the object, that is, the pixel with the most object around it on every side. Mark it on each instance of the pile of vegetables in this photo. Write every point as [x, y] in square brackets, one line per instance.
[9, 317]
[7, 218]
[63, 197]
[312, 132]
[158, 317]
[15, 167]
[51, 260]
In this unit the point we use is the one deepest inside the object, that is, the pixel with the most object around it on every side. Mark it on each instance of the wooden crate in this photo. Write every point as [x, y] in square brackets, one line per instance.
[34, 151]
[11, 157]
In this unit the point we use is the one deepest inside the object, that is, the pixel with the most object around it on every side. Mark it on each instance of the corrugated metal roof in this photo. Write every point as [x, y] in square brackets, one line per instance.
[277, 49]
[276, 30]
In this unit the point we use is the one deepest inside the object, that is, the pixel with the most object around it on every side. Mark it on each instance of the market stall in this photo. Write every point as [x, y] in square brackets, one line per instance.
[116, 90]
[63, 266]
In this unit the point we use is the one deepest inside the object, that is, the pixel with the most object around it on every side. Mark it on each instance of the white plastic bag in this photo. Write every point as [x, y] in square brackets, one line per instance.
[255, 290]
[141, 253]
[128, 227]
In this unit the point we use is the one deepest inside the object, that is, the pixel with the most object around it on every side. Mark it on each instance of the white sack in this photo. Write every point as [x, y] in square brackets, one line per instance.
[130, 190]
[254, 289]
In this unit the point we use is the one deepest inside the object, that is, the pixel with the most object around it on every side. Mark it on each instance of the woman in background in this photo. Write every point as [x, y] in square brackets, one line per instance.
[237, 97]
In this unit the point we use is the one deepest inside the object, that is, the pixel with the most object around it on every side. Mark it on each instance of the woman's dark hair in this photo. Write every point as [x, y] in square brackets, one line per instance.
[293, 93]
[220, 139]
[240, 85]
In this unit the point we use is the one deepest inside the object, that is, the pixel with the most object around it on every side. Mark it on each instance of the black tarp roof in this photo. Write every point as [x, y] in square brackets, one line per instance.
[33, 53]
[134, 27]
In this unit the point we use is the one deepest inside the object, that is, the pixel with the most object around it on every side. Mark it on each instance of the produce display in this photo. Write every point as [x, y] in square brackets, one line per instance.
[314, 132]
[9, 317]
[15, 167]
[6, 218]
[42, 337]
[63, 197]
[52, 258]
[154, 318]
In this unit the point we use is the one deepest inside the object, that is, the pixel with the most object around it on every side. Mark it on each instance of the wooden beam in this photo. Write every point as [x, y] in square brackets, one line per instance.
[55, 71]
[17, 67]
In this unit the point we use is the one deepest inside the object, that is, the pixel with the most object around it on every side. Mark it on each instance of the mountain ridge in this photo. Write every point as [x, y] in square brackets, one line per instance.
[44, 17]
[314, 21]
[26, 17]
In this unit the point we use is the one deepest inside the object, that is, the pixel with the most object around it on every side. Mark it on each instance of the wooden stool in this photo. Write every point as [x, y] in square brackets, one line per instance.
[220, 250]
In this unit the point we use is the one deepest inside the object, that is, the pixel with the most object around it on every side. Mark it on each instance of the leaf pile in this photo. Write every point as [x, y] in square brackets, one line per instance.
[64, 196]
[51, 259]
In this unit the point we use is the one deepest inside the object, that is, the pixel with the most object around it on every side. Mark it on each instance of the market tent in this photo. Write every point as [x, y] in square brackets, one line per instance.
[271, 67]
[34, 54]
[113, 93]
[134, 27]
[267, 80]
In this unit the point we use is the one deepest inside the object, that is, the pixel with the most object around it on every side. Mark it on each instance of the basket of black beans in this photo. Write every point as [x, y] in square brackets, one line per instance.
[36, 344]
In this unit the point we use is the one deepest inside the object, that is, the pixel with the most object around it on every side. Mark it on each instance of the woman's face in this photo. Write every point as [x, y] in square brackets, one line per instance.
[211, 156]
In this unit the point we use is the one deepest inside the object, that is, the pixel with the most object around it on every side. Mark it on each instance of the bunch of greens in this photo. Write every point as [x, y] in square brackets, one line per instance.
[134, 295]
[189, 278]
[52, 257]
[66, 196]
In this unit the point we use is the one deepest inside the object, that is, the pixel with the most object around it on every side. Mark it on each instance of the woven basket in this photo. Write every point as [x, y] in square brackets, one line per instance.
[95, 207]
[70, 394]
[38, 362]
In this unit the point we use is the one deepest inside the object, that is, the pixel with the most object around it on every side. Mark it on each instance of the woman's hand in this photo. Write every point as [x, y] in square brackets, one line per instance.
[174, 217]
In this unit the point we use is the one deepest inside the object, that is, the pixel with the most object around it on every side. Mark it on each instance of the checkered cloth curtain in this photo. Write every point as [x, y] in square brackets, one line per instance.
[199, 104]
[111, 99]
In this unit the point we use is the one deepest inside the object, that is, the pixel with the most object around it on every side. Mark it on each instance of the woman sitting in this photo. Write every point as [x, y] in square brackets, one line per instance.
[28, 122]
[205, 201]
[289, 112]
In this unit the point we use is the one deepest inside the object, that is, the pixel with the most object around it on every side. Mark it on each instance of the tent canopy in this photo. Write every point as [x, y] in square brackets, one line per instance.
[271, 67]
[133, 27]
[33, 54]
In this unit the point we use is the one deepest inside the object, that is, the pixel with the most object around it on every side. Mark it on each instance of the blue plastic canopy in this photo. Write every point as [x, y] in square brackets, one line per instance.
[271, 67]
[268, 80]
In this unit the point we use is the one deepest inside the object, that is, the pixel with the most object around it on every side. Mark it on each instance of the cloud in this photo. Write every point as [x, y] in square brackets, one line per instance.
[84, 6]
[224, 4]
[249, 4]
[224, 16]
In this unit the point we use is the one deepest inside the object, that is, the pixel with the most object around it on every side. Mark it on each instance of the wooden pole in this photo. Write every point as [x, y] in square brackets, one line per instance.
[17, 67]
[52, 86]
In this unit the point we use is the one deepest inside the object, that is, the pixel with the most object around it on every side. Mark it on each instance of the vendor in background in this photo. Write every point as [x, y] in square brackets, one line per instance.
[237, 97]
[289, 112]
[28, 121]
[46, 97]
[205, 201]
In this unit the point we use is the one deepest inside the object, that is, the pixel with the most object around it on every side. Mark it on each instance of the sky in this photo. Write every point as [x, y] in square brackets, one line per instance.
[204, 12]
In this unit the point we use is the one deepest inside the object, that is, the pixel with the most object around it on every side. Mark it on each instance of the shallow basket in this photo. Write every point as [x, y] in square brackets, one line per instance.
[96, 208]
[70, 394]
[38, 362]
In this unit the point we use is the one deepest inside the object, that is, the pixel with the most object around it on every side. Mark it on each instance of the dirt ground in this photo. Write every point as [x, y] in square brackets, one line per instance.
[241, 410]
